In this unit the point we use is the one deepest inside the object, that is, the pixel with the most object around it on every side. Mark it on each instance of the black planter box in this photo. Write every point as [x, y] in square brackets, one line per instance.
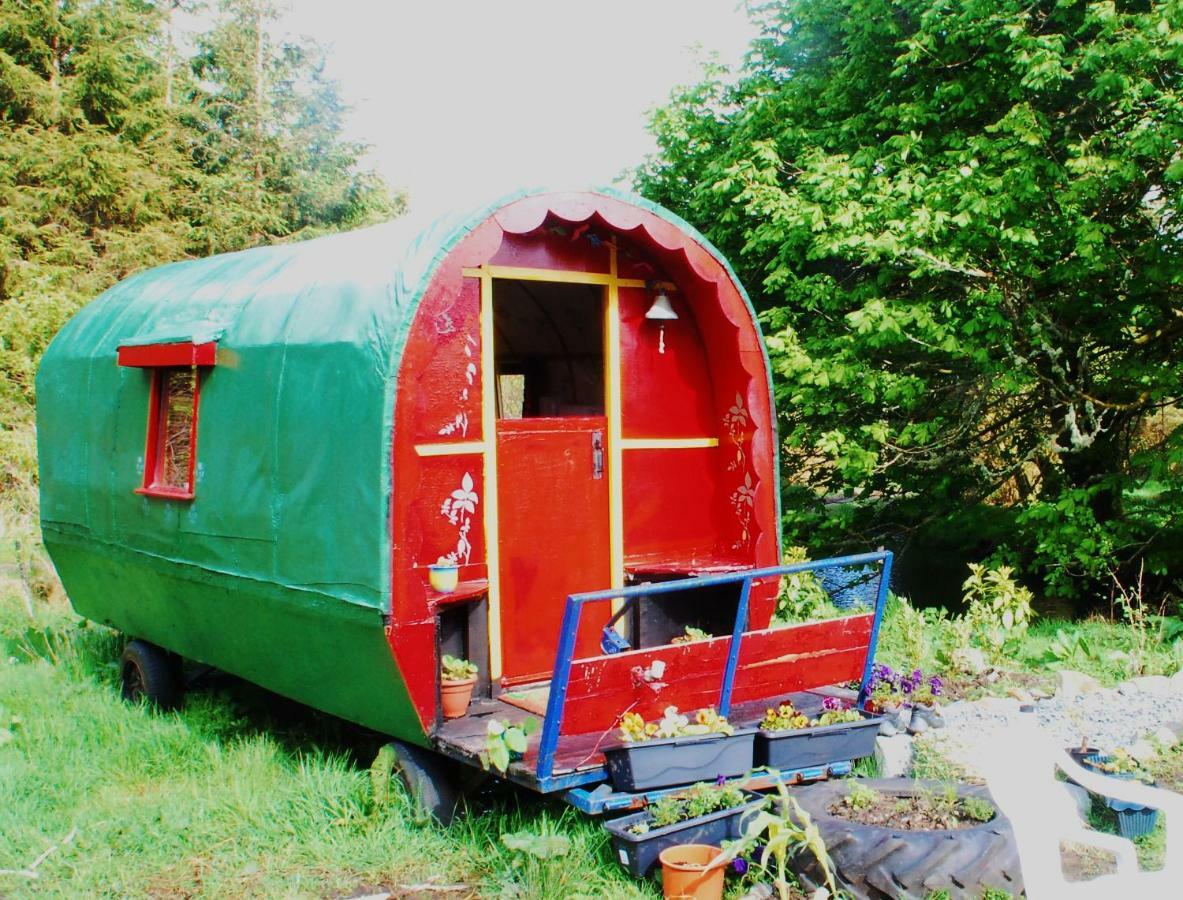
[638, 852]
[805, 748]
[669, 762]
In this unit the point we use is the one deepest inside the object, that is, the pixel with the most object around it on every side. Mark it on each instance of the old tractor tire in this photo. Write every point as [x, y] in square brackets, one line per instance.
[875, 863]
[151, 673]
[431, 780]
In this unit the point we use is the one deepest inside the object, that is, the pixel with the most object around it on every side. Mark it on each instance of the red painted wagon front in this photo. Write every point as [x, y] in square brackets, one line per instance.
[584, 404]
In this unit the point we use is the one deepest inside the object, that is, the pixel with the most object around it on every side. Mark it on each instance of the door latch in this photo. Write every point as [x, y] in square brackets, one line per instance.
[597, 454]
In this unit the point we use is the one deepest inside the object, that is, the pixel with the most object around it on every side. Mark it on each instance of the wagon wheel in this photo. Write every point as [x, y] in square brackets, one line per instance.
[151, 673]
[436, 785]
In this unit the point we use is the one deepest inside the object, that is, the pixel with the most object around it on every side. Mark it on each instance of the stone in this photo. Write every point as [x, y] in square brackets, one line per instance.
[1143, 751]
[894, 755]
[1176, 681]
[1071, 684]
[1177, 728]
[998, 706]
[1152, 685]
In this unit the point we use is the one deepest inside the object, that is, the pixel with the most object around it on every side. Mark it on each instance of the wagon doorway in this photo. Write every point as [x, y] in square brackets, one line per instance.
[552, 479]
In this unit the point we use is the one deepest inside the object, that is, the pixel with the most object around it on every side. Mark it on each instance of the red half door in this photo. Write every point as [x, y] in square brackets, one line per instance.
[552, 495]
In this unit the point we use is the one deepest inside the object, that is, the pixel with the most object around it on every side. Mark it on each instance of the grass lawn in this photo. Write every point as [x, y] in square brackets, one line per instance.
[240, 793]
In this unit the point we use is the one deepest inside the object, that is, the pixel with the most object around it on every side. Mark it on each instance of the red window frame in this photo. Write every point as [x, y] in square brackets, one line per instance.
[162, 359]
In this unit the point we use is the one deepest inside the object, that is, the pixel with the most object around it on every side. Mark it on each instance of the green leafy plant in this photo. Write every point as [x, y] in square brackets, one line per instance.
[672, 724]
[1069, 649]
[505, 742]
[860, 796]
[978, 809]
[776, 835]
[701, 799]
[998, 607]
[802, 597]
[539, 846]
[912, 627]
[947, 348]
[454, 668]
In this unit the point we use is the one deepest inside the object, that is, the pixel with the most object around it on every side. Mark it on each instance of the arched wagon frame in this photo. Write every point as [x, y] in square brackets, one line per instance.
[252, 460]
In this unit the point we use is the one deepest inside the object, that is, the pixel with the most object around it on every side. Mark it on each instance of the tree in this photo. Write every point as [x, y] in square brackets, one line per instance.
[960, 221]
[117, 154]
[272, 135]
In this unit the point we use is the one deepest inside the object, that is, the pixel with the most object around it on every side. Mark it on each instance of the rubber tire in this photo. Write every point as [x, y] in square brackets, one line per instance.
[151, 673]
[874, 863]
[431, 782]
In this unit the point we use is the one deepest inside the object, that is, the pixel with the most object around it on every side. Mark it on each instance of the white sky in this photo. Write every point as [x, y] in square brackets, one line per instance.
[466, 99]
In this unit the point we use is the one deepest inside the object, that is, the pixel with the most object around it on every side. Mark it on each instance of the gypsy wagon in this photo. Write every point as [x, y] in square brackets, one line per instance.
[251, 461]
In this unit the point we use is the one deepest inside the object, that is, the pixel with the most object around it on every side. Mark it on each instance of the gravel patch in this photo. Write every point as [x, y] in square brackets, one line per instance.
[1106, 718]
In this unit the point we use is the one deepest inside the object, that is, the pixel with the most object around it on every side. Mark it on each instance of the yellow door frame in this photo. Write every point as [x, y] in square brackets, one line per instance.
[616, 443]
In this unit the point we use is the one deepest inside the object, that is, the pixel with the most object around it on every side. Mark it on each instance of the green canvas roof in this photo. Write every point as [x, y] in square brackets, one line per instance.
[293, 474]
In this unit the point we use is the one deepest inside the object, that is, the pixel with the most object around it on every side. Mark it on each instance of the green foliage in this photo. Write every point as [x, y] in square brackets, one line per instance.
[859, 795]
[781, 833]
[120, 150]
[960, 223]
[539, 846]
[505, 742]
[225, 798]
[978, 809]
[802, 597]
[689, 635]
[997, 607]
[699, 800]
[455, 669]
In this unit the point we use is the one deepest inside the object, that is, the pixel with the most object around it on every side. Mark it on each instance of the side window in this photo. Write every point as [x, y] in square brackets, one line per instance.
[170, 450]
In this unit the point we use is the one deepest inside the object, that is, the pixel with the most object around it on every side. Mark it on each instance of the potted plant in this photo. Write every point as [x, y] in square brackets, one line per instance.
[457, 679]
[924, 694]
[444, 574]
[886, 695]
[1132, 820]
[675, 750]
[693, 872]
[706, 813]
[788, 739]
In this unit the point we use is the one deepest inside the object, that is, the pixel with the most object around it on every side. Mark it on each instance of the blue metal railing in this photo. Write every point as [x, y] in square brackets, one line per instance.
[564, 654]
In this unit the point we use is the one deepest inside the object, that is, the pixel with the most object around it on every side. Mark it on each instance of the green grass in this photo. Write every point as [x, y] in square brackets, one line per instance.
[238, 794]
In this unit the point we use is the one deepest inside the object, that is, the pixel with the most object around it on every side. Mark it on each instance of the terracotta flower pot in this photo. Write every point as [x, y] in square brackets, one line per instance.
[686, 872]
[454, 695]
